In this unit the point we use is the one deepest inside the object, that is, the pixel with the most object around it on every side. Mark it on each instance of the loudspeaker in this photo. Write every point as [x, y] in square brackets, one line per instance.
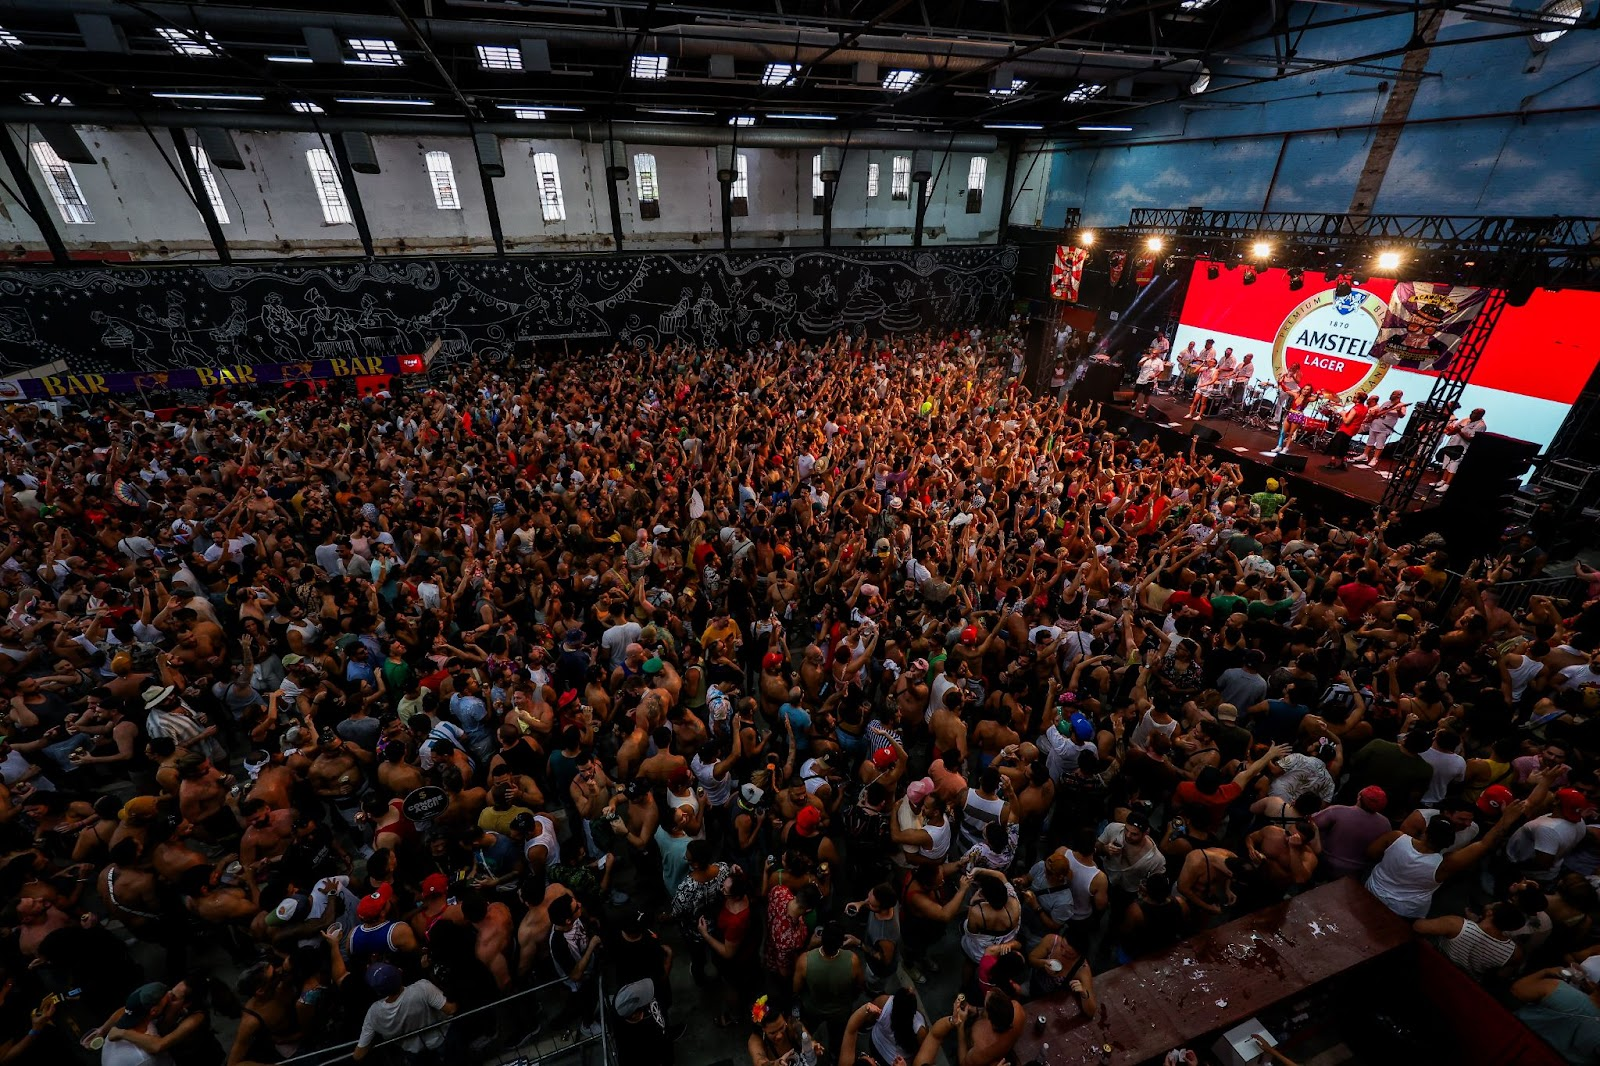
[535, 55]
[1205, 434]
[1290, 461]
[358, 149]
[487, 147]
[68, 145]
[1098, 382]
[1038, 357]
[220, 149]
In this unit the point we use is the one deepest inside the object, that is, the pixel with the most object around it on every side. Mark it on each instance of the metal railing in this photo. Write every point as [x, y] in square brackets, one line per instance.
[344, 1052]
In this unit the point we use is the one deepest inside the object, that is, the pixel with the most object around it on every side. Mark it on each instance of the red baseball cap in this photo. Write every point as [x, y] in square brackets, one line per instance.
[883, 758]
[772, 660]
[434, 886]
[1574, 804]
[371, 906]
[1373, 798]
[808, 822]
[969, 635]
[1494, 799]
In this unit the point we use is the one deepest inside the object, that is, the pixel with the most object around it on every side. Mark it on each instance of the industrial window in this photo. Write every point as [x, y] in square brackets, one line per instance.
[375, 51]
[900, 179]
[818, 189]
[335, 207]
[778, 74]
[197, 44]
[872, 180]
[208, 182]
[443, 176]
[56, 100]
[1085, 92]
[977, 173]
[644, 175]
[1565, 12]
[306, 107]
[653, 68]
[550, 202]
[63, 185]
[9, 39]
[899, 81]
[499, 57]
[1016, 86]
[739, 194]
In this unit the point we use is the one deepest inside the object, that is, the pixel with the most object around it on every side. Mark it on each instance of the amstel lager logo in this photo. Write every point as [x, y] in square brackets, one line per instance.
[1331, 338]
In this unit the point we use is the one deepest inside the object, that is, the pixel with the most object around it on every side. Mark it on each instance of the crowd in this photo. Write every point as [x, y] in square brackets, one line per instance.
[818, 671]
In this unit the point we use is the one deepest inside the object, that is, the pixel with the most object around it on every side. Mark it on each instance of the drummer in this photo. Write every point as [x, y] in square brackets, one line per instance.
[1243, 374]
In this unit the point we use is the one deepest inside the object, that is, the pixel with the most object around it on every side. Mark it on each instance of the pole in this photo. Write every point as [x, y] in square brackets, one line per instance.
[347, 178]
[197, 192]
[493, 205]
[616, 211]
[32, 200]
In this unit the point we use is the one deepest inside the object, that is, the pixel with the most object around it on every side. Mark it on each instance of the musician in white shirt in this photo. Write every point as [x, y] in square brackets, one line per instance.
[1460, 432]
[1380, 427]
[1151, 369]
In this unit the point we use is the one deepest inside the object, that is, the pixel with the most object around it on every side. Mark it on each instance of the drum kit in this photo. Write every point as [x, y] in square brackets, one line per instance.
[1261, 403]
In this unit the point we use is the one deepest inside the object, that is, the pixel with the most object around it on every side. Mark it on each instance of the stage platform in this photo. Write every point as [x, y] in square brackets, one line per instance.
[1215, 980]
[1353, 491]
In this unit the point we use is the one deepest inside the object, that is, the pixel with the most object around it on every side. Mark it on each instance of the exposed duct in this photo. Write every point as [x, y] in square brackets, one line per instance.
[1088, 61]
[629, 132]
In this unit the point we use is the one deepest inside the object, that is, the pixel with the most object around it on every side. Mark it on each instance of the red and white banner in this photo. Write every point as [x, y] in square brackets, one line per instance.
[1066, 276]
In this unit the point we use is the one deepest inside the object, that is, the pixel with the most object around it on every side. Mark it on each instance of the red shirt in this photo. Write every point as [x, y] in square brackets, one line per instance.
[1207, 811]
[1357, 597]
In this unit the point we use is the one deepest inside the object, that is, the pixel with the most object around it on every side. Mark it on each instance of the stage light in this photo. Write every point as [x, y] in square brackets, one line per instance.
[1388, 260]
[1154, 244]
[1212, 272]
[1249, 275]
[1297, 279]
[1330, 274]
[1261, 250]
[1086, 238]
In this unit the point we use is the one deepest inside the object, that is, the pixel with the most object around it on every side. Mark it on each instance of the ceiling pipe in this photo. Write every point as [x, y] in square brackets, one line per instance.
[1089, 62]
[630, 132]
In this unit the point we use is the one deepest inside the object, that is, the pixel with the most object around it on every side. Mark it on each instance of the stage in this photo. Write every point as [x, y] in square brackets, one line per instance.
[1352, 491]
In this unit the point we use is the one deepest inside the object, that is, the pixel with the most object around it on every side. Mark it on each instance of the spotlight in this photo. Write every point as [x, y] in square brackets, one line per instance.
[1388, 260]
[1330, 274]
[1086, 238]
[1297, 279]
[1155, 244]
[1261, 250]
[1343, 287]
[1212, 272]
[1249, 275]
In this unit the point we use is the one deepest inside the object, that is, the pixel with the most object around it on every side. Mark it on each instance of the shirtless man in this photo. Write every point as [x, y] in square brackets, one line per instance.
[269, 1014]
[771, 685]
[203, 800]
[1285, 856]
[396, 777]
[267, 832]
[1206, 881]
[813, 674]
[495, 928]
[949, 731]
[129, 893]
[37, 918]
[212, 901]
[910, 693]
[533, 932]
[665, 764]
[336, 774]
[984, 1034]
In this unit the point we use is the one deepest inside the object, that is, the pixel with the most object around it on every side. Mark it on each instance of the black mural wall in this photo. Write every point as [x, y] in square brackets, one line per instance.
[117, 317]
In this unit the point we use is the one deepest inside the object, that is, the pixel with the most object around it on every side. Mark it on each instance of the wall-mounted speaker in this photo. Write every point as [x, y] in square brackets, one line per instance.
[359, 150]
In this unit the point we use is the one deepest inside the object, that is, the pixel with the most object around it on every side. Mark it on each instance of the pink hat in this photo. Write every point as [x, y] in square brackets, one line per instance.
[918, 791]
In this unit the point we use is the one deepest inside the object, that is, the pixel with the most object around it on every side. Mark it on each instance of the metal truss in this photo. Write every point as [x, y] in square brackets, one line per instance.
[1400, 495]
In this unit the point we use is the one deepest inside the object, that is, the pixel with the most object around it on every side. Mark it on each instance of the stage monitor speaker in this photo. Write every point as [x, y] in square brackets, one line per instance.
[1289, 461]
[1205, 434]
[1099, 381]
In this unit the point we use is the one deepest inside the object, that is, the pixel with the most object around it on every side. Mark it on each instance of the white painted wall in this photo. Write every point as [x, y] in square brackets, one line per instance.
[142, 208]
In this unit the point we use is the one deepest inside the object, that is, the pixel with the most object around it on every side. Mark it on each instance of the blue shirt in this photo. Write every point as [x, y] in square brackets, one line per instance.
[801, 719]
[1281, 723]
[1568, 1020]
[473, 714]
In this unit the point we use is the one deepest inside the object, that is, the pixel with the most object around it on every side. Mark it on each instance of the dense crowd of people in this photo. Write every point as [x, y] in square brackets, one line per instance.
[815, 670]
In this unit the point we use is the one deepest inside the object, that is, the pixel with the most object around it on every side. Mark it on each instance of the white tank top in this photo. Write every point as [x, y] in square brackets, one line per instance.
[940, 834]
[676, 801]
[1083, 875]
[718, 789]
[546, 835]
[813, 780]
[1405, 879]
[1529, 669]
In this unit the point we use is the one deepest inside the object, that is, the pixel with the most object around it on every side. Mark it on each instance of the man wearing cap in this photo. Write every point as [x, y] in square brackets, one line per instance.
[1347, 832]
[378, 937]
[403, 1009]
[140, 1015]
[1269, 501]
[642, 1035]
[1128, 854]
[1539, 846]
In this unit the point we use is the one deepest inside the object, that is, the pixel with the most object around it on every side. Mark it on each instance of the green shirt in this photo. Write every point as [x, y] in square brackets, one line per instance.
[1223, 605]
[1269, 503]
[830, 986]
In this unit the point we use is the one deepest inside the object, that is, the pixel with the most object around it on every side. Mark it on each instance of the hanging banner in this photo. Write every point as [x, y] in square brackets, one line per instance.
[1117, 261]
[1425, 322]
[1144, 271]
[1067, 275]
[212, 377]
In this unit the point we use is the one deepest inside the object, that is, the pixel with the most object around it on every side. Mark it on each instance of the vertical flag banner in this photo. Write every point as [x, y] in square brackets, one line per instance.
[1117, 260]
[1067, 274]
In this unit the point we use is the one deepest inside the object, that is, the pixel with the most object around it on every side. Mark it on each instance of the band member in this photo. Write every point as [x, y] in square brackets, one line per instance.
[1458, 436]
[1350, 423]
[1288, 389]
[1152, 368]
[1242, 376]
[1197, 360]
[1381, 421]
[1225, 366]
[1205, 387]
[1297, 417]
